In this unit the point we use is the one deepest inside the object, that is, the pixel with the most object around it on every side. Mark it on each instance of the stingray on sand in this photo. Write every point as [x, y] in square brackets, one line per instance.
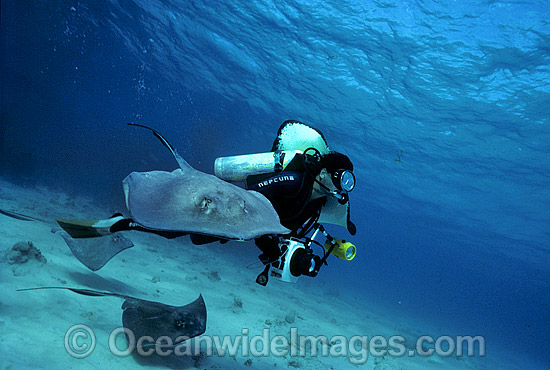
[153, 319]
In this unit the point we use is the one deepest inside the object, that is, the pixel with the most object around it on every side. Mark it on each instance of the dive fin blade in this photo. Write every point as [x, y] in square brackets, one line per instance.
[88, 228]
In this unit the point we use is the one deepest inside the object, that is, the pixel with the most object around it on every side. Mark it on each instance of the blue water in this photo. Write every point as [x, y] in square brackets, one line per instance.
[457, 232]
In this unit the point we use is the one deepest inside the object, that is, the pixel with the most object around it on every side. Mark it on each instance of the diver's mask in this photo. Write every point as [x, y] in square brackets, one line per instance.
[344, 180]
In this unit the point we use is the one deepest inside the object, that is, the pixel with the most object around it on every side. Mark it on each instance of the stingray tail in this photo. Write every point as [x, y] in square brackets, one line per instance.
[181, 162]
[86, 292]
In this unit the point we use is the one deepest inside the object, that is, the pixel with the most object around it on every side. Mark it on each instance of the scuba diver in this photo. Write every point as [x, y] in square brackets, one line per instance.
[303, 184]
[302, 188]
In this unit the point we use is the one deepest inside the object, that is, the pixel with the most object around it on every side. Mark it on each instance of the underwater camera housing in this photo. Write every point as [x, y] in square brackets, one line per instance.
[296, 260]
[296, 257]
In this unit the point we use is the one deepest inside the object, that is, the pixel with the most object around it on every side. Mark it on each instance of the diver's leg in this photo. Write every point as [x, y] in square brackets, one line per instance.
[199, 239]
[117, 222]
[269, 245]
[129, 224]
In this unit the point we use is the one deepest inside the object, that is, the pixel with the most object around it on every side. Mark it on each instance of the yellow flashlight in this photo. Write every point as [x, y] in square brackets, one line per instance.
[342, 249]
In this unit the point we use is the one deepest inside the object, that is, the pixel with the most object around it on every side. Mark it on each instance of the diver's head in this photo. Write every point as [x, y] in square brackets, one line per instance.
[340, 169]
[334, 176]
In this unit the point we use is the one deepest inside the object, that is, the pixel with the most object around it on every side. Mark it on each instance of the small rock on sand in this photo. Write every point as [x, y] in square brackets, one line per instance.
[23, 252]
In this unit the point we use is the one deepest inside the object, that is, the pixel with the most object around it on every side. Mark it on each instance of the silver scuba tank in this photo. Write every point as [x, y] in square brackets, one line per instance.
[238, 167]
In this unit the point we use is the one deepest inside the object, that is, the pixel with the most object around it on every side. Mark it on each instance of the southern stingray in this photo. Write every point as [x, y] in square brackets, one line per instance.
[171, 204]
[192, 201]
[154, 319]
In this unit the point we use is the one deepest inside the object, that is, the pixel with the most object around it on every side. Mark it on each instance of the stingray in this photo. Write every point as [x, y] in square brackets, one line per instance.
[188, 200]
[295, 135]
[172, 204]
[154, 319]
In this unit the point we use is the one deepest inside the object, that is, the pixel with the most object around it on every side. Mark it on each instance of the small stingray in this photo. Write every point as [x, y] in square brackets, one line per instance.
[154, 319]
[192, 201]
[94, 253]
[295, 135]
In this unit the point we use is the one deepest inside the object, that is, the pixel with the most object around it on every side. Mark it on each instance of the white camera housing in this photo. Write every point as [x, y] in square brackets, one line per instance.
[282, 272]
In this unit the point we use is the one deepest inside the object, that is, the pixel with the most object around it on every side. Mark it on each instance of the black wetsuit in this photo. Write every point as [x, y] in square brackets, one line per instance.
[289, 192]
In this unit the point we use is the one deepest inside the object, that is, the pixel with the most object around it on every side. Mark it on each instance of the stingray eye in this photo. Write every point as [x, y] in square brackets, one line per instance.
[205, 203]
[180, 323]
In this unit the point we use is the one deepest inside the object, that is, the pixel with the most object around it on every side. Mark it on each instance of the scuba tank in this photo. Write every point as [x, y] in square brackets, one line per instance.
[239, 167]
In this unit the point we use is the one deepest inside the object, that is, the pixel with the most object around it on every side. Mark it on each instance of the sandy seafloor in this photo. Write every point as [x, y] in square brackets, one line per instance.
[33, 323]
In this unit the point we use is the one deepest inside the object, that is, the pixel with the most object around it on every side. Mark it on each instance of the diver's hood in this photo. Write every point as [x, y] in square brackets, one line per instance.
[295, 135]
